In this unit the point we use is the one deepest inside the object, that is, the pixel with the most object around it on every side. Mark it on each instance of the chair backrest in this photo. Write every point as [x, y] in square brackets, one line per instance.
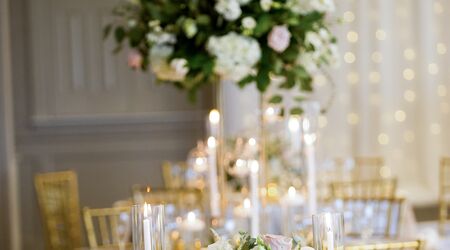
[368, 167]
[385, 188]
[104, 226]
[58, 199]
[406, 245]
[182, 198]
[174, 174]
[376, 217]
[444, 193]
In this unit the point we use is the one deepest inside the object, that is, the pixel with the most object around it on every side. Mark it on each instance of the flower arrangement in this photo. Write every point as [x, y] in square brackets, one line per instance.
[196, 42]
[265, 242]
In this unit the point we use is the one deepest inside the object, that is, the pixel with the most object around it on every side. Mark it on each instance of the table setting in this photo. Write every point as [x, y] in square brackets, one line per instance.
[271, 184]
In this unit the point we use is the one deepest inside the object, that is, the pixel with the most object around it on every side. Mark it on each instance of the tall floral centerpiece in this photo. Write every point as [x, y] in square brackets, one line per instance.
[194, 43]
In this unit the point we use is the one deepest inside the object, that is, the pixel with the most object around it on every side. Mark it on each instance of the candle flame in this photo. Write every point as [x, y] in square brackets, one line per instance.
[214, 116]
[292, 192]
[294, 124]
[146, 208]
[270, 111]
[254, 166]
[247, 204]
[191, 217]
[199, 161]
[212, 142]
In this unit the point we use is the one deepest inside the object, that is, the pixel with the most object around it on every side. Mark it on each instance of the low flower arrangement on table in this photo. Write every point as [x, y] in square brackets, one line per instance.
[194, 43]
[265, 242]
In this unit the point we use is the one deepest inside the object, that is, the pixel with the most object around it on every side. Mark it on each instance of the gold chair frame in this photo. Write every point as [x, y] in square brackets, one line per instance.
[63, 186]
[107, 236]
[385, 188]
[392, 202]
[444, 190]
[364, 162]
[411, 245]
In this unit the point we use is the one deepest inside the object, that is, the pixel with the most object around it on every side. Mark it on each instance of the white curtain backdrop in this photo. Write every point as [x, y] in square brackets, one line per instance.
[391, 95]
[392, 89]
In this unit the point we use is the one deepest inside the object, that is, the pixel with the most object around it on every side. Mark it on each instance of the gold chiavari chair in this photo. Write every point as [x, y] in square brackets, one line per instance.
[58, 199]
[382, 216]
[173, 174]
[182, 198]
[385, 188]
[368, 167]
[104, 226]
[406, 245]
[444, 193]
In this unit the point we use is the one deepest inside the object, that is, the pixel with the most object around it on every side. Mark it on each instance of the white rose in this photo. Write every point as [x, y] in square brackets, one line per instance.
[248, 23]
[301, 7]
[179, 65]
[132, 23]
[324, 34]
[334, 55]
[229, 9]
[323, 5]
[307, 60]
[175, 71]
[314, 39]
[220, 245]
[265, 4]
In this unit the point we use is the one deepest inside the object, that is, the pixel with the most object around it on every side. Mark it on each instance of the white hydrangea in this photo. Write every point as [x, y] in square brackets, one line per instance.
[229, 9]
[161, 38]
[244, 2]
[236, 55]
[265, 4]
[306, 6]
[176, 70]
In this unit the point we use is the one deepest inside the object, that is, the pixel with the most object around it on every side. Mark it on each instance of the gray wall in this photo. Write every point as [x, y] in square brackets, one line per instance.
[78, 107]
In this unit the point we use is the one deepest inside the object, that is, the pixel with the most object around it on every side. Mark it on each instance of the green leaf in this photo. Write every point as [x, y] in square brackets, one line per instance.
[136, 36]
[306, 84]
[246, 80]
[119, 34]
[264, 24]
[276, 99]
[296, 111]
[291, 79]
[263, 79]
[299, 98]
[203, 20]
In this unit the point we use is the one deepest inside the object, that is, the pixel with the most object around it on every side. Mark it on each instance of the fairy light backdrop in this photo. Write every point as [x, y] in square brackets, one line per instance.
[392, 90]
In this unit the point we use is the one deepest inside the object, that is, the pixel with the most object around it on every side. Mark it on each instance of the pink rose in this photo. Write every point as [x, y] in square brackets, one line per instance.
[279, 38]
[278, 242]
[134, 60]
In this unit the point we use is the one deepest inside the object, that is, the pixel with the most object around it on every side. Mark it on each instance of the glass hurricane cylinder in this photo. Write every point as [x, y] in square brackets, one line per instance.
[328, 230]
[148, 227]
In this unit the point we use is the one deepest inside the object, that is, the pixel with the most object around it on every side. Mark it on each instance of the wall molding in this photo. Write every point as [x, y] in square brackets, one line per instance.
[118, 119]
